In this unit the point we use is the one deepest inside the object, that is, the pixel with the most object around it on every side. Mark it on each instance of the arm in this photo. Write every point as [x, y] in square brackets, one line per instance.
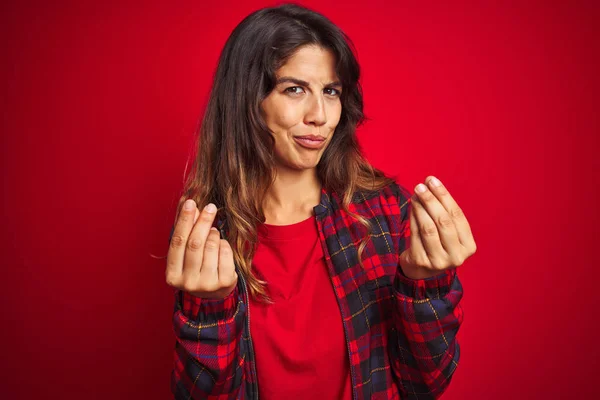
[208, 363]
[426, 319]
[427, 316]
[207, 359]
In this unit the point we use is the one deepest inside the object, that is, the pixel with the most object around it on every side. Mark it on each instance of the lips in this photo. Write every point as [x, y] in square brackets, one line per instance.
[312, 137]
[310, 141]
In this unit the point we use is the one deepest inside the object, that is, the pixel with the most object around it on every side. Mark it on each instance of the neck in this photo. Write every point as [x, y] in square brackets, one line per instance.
[292, 196]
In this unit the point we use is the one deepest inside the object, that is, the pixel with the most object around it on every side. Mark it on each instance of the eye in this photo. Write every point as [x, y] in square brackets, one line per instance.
[292, 89]
[333, 92]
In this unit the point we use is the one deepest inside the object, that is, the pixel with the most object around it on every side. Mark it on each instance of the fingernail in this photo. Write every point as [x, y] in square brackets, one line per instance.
[435, 182]
[420, 188]
[188, 205]
[210, 208]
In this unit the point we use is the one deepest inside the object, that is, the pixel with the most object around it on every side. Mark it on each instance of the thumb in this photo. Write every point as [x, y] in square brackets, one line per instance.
[405, 258]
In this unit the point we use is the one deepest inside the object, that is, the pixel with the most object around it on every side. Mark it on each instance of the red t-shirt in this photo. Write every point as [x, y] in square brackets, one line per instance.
[299, 341]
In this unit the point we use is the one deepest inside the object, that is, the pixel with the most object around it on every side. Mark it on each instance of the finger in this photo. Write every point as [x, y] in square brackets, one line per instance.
[181, 233]
[463, 229]
[429, 235]
[194, 252]
[417, 253]
[196, 215]
[209, 273]
[443, 221]
[227, 274]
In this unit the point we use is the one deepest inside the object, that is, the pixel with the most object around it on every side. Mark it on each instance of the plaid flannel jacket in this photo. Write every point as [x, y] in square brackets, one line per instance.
[400, 333]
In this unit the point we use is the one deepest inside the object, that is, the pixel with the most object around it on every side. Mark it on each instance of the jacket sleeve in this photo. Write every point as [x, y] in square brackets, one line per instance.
[207, 355]
[427, 316]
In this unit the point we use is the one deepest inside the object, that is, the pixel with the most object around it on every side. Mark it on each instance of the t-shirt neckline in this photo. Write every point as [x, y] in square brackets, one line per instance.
[287, 232]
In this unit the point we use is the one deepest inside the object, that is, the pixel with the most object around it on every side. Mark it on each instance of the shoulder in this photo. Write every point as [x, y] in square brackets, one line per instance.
[400, 193]
[394, 193]
[387, 208]
[390, 202]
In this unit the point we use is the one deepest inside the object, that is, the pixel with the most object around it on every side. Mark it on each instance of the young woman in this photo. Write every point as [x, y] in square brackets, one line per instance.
[317, 276]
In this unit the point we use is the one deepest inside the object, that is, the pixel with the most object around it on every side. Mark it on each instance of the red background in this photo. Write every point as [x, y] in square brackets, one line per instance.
[99, 106]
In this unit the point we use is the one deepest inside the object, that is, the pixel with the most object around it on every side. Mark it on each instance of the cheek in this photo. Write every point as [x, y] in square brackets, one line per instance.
[336, 114]
[290, 117]
[284, 116]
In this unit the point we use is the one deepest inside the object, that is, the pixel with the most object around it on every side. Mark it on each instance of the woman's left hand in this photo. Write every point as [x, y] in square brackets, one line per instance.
[440, 235]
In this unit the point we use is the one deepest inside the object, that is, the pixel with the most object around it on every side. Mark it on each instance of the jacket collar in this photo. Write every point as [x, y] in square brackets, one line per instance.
[324, 205]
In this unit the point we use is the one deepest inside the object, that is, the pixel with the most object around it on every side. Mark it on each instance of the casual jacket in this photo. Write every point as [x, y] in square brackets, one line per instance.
[400, 333]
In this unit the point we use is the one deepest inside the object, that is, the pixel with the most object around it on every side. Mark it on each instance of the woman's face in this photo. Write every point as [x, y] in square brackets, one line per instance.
[304, 102]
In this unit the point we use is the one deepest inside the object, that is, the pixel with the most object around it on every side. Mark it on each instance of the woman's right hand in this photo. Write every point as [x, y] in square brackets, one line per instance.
[199, 261]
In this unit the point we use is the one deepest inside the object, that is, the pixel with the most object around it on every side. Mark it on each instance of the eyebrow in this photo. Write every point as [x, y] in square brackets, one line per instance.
[300, 82]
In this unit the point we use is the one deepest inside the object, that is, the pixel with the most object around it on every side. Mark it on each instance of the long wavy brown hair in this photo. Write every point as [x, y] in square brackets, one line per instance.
[234, 160]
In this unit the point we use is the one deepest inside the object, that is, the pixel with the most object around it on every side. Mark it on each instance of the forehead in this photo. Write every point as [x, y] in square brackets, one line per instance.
[310, 63]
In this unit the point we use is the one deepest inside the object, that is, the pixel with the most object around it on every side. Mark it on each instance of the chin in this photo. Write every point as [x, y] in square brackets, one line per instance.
[299, 166]
[298, 160]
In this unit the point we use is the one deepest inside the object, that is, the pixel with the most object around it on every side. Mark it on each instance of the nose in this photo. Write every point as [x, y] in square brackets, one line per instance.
[315, 113]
